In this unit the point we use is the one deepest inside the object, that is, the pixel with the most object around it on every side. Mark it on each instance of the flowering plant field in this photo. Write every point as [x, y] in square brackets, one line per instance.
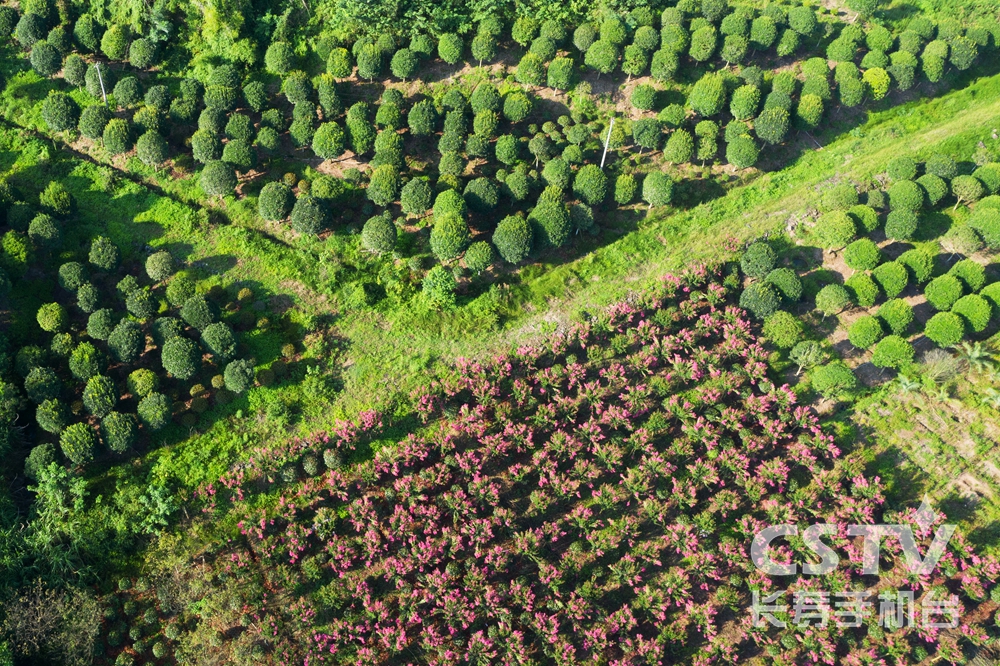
[587, 500]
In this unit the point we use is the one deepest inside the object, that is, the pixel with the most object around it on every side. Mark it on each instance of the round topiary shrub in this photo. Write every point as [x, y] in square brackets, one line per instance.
[967, 189]
[379, 234]
[513, 239]
[834, 230]
[892, 277]
[77, 443]
[104, 254]
[479, 257]
[180, 357]
[787, 282]
[901, 168]
[840, 197]
[946, 329]
[159, 266]
[943, 291]
[897, 315]
[52, 318]
[275, 201]
[119, 431]
[783, 329]
[834, 380]
[760, 299]
[864, 217]
[198, 312]
[901, 225]
[142, 382]
[862, 255]
[42, 384]
[935, 189]
[975, 310]
[99, 395]
[863, 290]
[892, 352]
[905, 195]
[220, 341]
[449, 237]
[865, 332]
[239, 376]
[72, 274]
[832, 299]
[971, 273]
[758, 260]
[154, 411]
[86, 361]
[919, 263]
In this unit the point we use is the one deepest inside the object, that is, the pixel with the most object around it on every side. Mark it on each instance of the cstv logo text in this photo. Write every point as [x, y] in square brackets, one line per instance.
[873, 535]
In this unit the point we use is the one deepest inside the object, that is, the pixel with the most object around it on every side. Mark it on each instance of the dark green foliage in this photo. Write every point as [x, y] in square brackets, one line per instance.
[703, 43]
[479, 257]
[788, 44]
[198, 313]
[787, 282]
[865, 217]
[28, 357]
[901, 225]
[763, 32]
[103, 254]
[591, 185]
[141, 304]
[967, 189]
[758, 260]
[971, 273]
[802, 20]
[865, 332]
[834, 380]
[946, 329]
[840, 197]
[72, 274]
[119, 431]
[760, 299]
[415, 198]
[8, 21]
[892, 277]
[934, 188]
[450, 48]
[159, 266]
[513, 239]
[220, 341]
[383, 188]
[901, 168]
[218, 178]
[41, 456]
[975, 310]
[708, 96]
[44, 232]
[439, 287]
[531, 70]
[205, 147]
[87, 297]
[517, 106]
[239, 155]
[165, 328]
[943, 291]
[989, 176]
[810, 110]
[279, 58]
[771, 125]
[42, 384]
[379, 234]
[308, 215]
[602, 56]
[483, 48]
[422, 118]
[93, 120]
[30, 29]
[127, 341]
[212, 120]
[919, 263]
[783, 329]
[151, 148]
[679, 148]
[584, 36]
[77, 443]
[482, 195]
[101, 323]
[626, 188]
[742, 152]
[832, 299]
[239, 375]
[961, 239]
[154, 411]
[834, 230]
[987, 222]
[60, 112]
[99, 395]
[449, 237]
[181, 357]
[45, 59]
[550, 223]
[657, 189]
[275, 201]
